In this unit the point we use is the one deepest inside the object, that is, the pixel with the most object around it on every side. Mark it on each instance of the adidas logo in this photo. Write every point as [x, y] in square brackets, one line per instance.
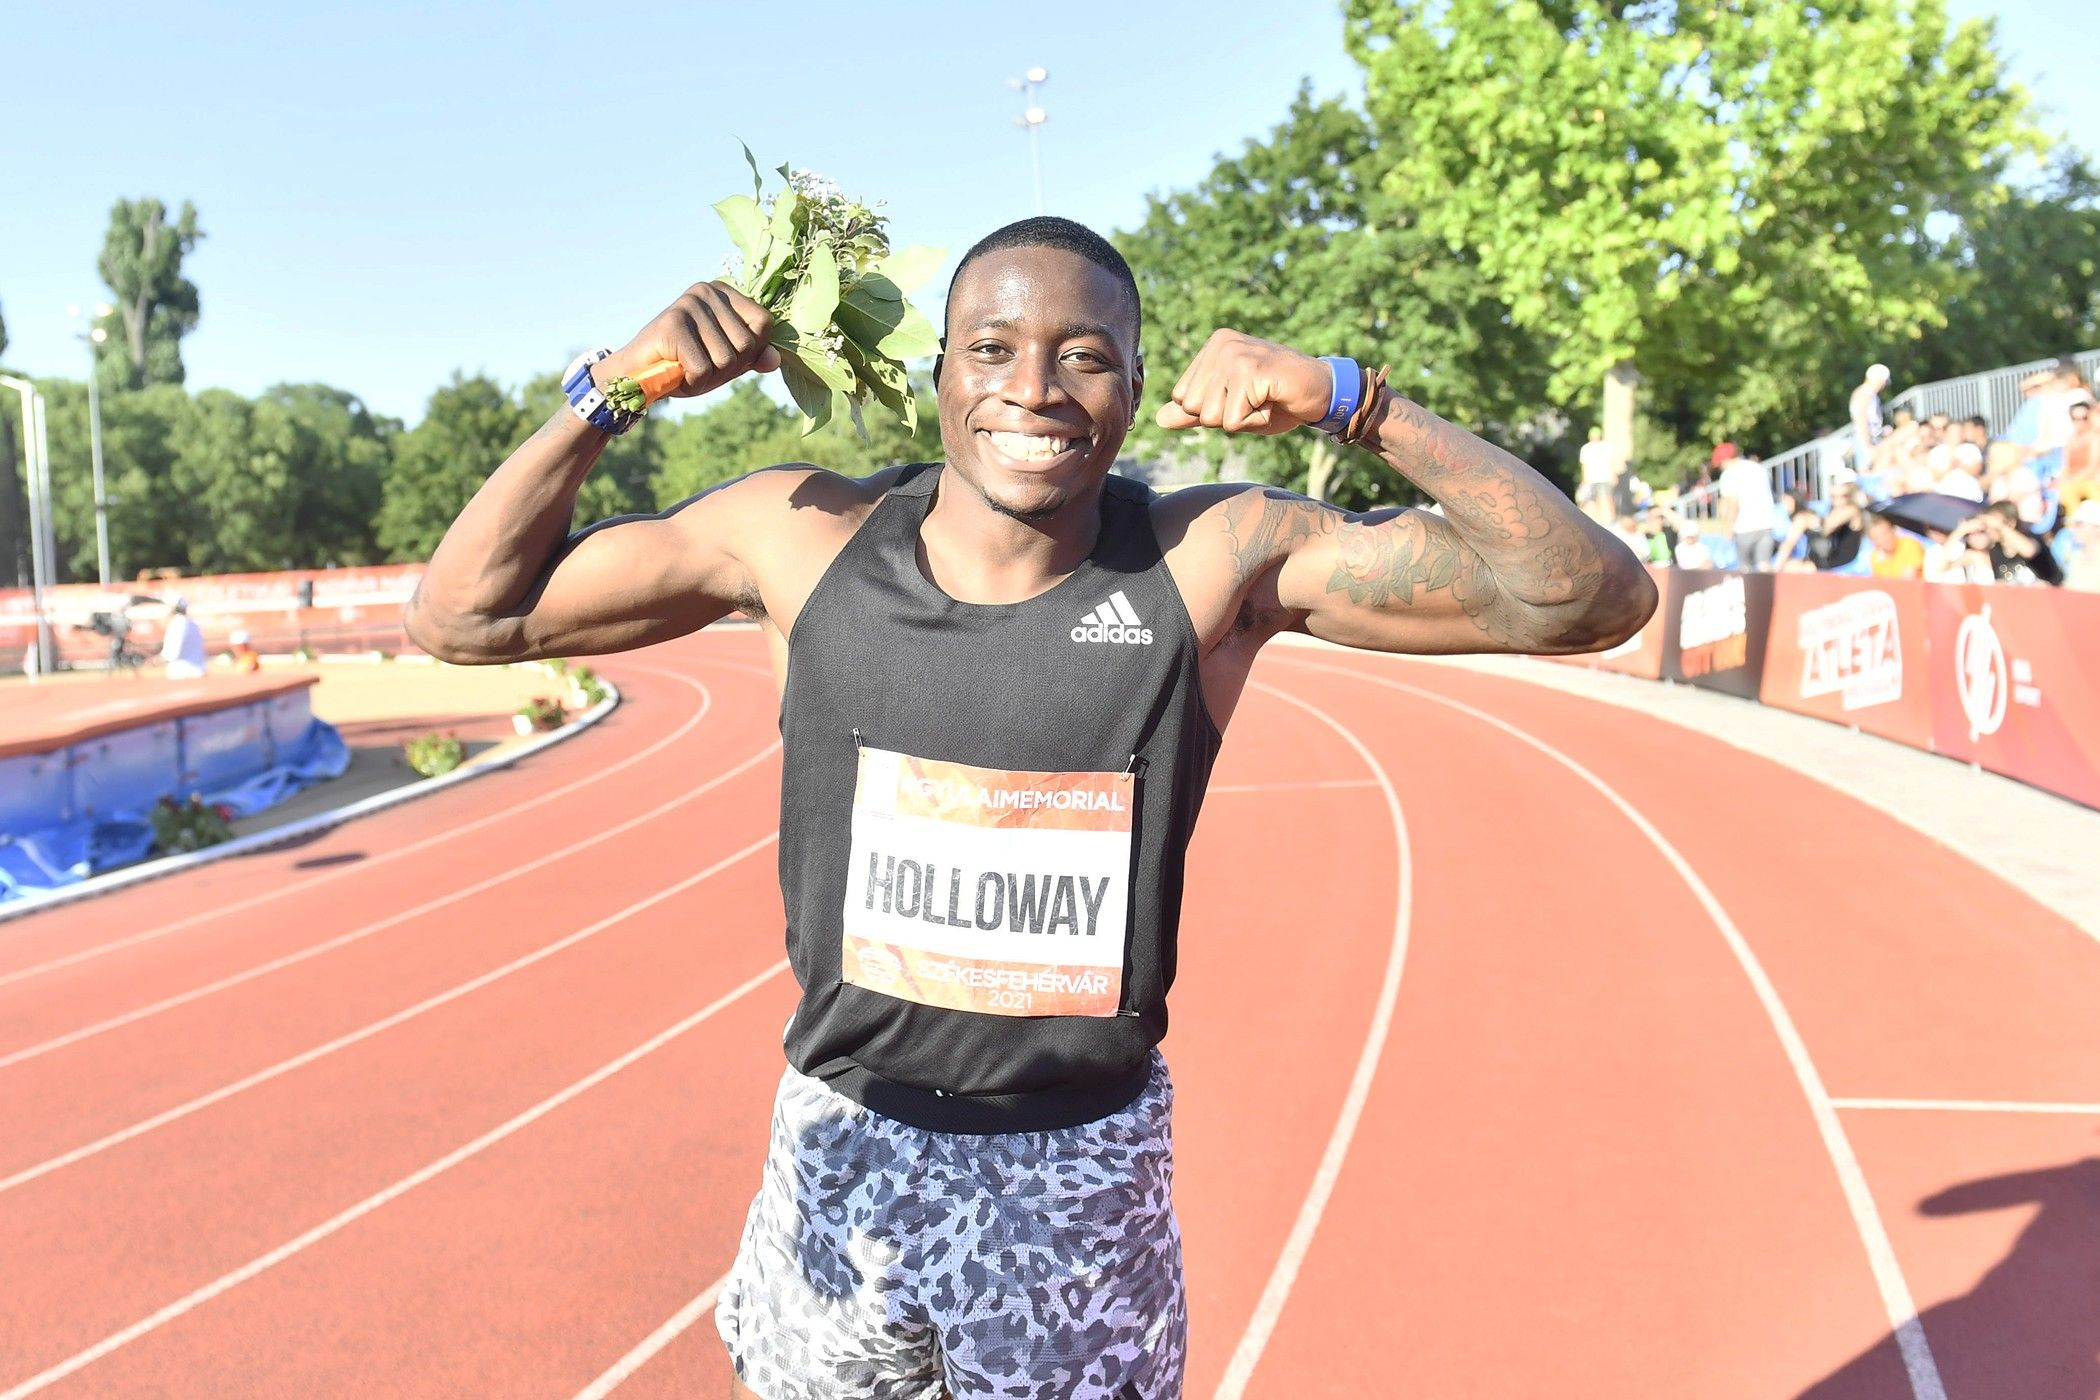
[1114, 621]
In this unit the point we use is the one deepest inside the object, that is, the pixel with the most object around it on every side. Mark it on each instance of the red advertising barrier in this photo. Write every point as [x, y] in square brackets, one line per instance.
[1642, 653]
[1852, 651]
[2015, 678]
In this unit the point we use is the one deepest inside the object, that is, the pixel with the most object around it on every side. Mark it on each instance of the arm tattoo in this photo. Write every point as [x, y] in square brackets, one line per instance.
[1262, 527]
[1380, 564]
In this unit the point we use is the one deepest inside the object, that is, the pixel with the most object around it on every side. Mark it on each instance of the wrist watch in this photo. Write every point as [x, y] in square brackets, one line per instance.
[588, 401]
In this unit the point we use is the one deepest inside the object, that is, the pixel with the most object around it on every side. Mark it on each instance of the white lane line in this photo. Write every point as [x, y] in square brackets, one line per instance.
[1968, 1106]
[373, 862]
[1292, 787]
[74, 1037]
[1896, 1301]
[1247, 1355]
[307, 1057]
[408, 1183]
[653, 1343]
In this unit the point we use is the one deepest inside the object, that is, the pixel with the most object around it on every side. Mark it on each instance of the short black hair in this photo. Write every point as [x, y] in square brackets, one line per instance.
[1066, 235]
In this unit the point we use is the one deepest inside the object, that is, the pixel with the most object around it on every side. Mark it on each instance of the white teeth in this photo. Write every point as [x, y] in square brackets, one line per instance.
[1027, 447]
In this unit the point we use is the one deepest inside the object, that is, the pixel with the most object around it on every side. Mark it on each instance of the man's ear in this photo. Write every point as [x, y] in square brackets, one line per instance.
[937, 359]
[1137, 385]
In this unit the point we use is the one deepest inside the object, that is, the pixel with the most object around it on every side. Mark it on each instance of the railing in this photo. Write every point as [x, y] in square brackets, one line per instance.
[1806, 470]
[1993, 394]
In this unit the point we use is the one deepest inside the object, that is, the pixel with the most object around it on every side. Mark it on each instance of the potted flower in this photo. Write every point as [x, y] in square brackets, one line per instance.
[541, 712]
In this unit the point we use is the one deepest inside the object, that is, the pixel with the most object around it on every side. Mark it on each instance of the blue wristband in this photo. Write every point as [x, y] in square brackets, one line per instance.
[1346, 395]
[587, 400]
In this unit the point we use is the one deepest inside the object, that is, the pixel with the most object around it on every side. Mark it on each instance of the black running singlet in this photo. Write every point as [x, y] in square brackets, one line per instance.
[984, 811]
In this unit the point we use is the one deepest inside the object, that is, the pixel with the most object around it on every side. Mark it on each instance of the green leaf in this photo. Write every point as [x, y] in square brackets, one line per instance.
[747, 227]
[885, 325]
[911, 337]
[885, 381]
[817, 294]
[908, 268]
[783, 250]
[811, 394]
[758, 186]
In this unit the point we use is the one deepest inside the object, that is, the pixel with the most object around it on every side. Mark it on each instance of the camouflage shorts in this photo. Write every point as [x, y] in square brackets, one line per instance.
[885, 1262]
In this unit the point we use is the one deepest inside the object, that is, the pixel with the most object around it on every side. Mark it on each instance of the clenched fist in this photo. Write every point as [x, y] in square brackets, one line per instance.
[714, 333]
[1245, 385]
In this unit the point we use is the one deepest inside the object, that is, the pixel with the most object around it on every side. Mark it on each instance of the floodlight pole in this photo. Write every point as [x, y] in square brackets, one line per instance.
[33, 446]
[1032, 117]
[93, 337]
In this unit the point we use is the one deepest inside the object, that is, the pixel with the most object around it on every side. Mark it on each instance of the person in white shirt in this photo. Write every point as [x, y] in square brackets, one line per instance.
[1748, 512]
[183, 646]
[1963, 475]
[1599, 470]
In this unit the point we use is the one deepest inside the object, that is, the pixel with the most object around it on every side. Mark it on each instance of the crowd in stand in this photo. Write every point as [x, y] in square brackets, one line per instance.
[1935, 499]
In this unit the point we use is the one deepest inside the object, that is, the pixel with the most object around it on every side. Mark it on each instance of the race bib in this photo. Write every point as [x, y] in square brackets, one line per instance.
[984, 890]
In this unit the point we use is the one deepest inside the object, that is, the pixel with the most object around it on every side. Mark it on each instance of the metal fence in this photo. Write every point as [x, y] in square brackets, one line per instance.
[1807, 470]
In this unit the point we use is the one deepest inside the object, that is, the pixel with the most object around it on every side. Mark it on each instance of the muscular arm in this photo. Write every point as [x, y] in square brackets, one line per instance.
[1510, 565]
[508, 583]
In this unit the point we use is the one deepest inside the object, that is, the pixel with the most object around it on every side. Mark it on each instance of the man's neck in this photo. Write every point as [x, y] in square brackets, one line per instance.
[981, 555]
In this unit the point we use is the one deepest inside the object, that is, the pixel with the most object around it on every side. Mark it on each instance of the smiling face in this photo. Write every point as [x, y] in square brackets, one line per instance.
[1039, 379]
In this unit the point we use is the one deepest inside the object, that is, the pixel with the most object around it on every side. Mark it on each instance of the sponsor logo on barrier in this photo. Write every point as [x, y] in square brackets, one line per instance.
[1852, 649]
[1986, 678]
[1713, 628]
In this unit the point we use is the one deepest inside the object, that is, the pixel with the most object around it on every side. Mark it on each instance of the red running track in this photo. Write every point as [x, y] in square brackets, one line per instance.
[1525, 1046]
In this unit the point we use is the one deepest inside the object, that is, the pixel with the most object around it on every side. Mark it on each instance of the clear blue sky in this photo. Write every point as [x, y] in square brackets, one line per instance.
[392, 191]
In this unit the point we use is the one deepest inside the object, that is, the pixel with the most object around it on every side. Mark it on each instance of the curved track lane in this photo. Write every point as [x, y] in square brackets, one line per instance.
[1477, 1094]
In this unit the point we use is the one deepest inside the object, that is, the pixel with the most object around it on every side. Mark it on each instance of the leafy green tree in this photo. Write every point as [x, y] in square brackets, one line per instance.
[747, 431]
[155, 305]
[340, 479]
[2033, 278]
[469, 427]
[1735, 198]
[152, 518]
[1298, 239]
[14, 498]
[619, 481]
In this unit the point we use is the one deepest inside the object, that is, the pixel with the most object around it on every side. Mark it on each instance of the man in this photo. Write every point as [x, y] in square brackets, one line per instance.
[967, 1184]
[1748, 512]
[2081, 561]
[1594, 494]
[1896, 555]
[1865, 410]
[2079, 480]
[2016, 555]
[183, 646]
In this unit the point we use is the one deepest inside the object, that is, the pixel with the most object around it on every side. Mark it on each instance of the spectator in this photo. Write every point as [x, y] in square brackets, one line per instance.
[1962, 557]
[1626, 492]
[1594, 494]
[2081, 561]
[1961, 472]
[1748, 511]
[2061, 388]
[244, 657]
[1660, 532]
[1866, 417]
[2016, 555]
[1691, 551]
[183, 646]
[2079, 480]
[1895, 554]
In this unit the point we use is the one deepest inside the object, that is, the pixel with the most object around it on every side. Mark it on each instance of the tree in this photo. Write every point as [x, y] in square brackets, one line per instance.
[338, 486]
[747, 431]
[469, 427]
[14, 497]
[2033, 283]
[155, 304]
[1298, 239]
[152, 521]
[1738, 198]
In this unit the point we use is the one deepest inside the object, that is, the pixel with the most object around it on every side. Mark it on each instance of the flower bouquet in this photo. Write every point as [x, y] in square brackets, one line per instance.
[821, 264]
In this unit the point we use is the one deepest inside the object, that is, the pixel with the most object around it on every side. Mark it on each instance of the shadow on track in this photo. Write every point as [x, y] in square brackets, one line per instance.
[2031, 1326]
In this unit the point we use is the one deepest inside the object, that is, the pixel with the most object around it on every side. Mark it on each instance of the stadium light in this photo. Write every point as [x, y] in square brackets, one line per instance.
[1032, 118]
[94, 336]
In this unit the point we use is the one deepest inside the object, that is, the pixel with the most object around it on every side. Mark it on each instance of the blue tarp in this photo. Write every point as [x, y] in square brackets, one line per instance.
[54, 856]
